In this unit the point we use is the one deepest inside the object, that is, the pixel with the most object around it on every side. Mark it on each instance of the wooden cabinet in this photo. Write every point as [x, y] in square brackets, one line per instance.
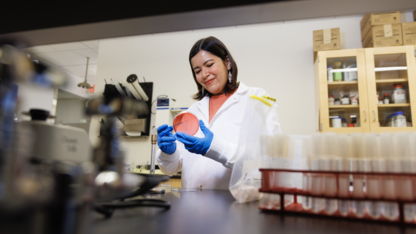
[366, 73]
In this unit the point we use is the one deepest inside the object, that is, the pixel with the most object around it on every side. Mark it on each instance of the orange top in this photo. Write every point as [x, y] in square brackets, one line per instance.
[215, 103]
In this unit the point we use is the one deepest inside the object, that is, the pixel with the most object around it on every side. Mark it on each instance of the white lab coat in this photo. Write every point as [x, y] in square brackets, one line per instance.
[213, 170]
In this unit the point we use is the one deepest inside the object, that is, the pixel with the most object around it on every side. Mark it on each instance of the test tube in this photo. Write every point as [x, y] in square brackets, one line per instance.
[344, 145]
[391, 209]
[306, 180]
[373, 182]
[329, 164]
[317, 204]
[402, 153]
[413, 168]
[357, 165]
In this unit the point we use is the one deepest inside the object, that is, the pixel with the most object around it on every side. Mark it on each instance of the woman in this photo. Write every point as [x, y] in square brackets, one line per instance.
[207, 158]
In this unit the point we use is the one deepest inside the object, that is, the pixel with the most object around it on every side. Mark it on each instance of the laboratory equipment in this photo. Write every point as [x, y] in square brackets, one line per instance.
[356, 160]
[186, 123]
[134, 81]
[381, 168]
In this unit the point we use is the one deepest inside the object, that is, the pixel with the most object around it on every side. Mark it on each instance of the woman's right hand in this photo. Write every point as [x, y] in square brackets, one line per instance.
[165, 139]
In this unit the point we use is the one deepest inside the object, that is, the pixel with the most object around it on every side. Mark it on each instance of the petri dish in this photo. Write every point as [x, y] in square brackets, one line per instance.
[186, 123]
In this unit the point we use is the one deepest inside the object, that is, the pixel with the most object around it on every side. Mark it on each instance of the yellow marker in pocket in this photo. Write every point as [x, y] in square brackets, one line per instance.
[269, 98]
[260, 99]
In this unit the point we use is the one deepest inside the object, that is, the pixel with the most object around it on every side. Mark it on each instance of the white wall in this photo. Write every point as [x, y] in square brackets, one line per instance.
[31, 96]
[70, 110]
[275, 56]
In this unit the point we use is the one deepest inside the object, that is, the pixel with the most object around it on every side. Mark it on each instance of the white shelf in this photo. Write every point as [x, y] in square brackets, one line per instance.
[178, 109]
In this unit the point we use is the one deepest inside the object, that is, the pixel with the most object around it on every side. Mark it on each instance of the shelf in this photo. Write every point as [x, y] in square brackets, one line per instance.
[342, 83]
[344, 106]
[178, 109]
[392, 81]
[344, 70]
[393, 105]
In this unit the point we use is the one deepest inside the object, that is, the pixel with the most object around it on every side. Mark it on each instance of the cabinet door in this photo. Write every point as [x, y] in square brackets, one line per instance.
[352, 84]
[388, 69]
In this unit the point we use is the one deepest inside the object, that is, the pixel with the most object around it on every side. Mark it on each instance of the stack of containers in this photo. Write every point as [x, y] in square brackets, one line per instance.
[381, 29]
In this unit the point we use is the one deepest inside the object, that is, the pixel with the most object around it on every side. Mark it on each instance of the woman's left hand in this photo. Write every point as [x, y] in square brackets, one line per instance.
[195, 144]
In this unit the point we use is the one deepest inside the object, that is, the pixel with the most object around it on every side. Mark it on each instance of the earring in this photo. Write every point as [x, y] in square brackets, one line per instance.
[229, 76]
[203, 89]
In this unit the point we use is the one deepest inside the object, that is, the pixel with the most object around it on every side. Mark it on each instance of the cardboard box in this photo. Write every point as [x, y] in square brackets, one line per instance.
[384, 35]
[409, 33]
[328, 39]
[373, 19]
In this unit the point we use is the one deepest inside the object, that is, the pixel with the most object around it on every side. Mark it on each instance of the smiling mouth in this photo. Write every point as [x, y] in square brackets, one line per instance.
[209, 82]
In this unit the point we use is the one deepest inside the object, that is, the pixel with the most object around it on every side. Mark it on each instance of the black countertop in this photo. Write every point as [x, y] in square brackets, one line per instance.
[214, 212]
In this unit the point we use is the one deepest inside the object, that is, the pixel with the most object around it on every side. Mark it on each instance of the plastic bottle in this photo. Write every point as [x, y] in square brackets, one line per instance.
[337, 75]
[399, 94]
[386, 99]
[390, 188]
[330, 75]
[373, 182]
[344, 146]
[345, 100]
[380, 100]
[400, 120]
[331, 100]
[337, 101]
[336, 122]
[354, 100]
[357, 165]
[344, 123]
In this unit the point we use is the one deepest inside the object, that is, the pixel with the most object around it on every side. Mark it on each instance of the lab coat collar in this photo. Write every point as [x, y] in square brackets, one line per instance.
[203, 104]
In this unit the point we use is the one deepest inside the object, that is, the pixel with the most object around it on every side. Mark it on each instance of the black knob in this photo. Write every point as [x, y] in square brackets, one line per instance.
[38, 114]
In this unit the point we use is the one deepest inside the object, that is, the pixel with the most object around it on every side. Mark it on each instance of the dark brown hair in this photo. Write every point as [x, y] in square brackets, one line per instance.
[217, 48]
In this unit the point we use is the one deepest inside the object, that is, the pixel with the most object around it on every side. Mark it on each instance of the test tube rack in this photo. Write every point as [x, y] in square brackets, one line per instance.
[296, 208]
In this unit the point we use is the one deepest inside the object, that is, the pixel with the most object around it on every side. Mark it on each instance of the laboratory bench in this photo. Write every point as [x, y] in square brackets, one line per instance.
[215, 211]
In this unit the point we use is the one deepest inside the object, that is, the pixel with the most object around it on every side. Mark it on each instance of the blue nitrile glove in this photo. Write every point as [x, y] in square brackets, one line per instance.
[197, 145]
[165, 139]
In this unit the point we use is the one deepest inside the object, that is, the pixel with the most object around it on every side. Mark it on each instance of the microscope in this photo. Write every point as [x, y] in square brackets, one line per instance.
[51, 179]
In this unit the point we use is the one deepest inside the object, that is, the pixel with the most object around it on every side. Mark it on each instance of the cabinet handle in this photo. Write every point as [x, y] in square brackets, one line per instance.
[374, 113]
[365, 116]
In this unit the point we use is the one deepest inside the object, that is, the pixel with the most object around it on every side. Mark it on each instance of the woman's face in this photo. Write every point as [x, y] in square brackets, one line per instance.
[210, 71]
